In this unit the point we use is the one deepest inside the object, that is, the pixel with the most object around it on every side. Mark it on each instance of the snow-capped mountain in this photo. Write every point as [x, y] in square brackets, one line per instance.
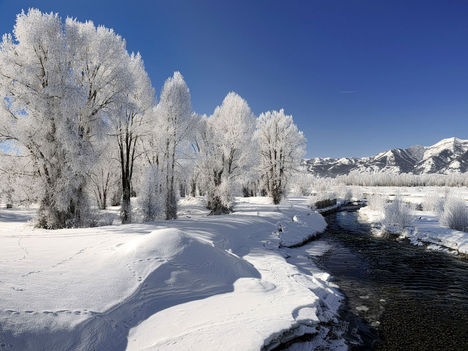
[447, 156]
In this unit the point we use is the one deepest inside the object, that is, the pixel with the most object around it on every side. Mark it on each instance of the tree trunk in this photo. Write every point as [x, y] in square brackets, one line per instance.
[104, 200]
[193, 188]
[276, 195]
[182, 189]
[125, 209]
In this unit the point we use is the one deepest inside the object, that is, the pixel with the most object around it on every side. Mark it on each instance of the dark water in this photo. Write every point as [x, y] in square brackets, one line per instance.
[412, 298]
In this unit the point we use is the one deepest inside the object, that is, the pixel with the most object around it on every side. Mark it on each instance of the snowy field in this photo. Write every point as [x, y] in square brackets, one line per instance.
[426, 226]
[199, 282]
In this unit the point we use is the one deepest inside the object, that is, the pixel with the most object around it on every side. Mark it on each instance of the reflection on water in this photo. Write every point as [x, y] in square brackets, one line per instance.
[416, 299]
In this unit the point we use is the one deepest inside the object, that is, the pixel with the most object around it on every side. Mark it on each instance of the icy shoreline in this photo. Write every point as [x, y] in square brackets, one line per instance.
[425, 230]
[206, 281]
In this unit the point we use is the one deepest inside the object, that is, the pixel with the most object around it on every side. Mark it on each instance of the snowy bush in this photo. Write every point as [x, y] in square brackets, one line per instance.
[150, 198]
[320, 184]
[104, 219]
[433, 203]
[301, 184]
[397, 214]
[344, 192]
[220, 198]
[455, 214]
[357, 193]
[376, 202]
[311, 201]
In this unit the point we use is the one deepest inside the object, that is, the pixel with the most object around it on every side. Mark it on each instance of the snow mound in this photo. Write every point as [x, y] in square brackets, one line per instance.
[253, 285]
[300, 228]
[205, 282]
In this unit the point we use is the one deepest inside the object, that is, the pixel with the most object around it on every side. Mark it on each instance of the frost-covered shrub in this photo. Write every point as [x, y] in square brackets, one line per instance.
[376, 202]
[301, 184]
[220, 198]
[312, 199]
[434, 203]
[150, 200]
[397, 214]
[348, 194]
[455, 214]
[357, 193]
[104, 219]
[319, 184]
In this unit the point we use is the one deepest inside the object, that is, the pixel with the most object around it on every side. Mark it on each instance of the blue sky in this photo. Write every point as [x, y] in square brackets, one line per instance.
[359, 77]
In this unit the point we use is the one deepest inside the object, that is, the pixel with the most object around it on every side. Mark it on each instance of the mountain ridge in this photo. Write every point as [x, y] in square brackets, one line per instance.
[447, 156]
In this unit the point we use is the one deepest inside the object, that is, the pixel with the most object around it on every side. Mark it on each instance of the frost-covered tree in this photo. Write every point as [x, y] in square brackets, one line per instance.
[227, 151]
[59, 83]
[18, 178]
[105, 173]
[198, 137]
[281, 148]
[56, 81]
[129, 126]
[150, 199]
[174, 126]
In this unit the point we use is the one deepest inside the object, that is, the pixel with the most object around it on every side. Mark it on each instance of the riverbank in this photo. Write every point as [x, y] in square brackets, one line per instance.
[217, 282]
[425, 227]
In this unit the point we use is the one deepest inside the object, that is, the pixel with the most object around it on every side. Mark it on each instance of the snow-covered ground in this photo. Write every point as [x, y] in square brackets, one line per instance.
[200, 282]
[426, 227]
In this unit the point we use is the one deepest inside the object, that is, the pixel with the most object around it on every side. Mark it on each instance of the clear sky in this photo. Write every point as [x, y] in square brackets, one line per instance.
[359, 76]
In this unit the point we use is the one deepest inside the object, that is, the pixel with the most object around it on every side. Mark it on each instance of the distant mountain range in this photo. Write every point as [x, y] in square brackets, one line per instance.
[447, 156]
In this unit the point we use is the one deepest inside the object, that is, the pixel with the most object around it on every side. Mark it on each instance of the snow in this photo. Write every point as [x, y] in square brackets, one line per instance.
[281, 299]
[445, 144]
[426, 227]
[199, 282]
[300, 228]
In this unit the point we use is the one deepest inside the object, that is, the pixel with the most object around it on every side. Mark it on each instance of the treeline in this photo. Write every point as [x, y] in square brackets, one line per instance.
[305, 184]
[404, 179]
[80, 121]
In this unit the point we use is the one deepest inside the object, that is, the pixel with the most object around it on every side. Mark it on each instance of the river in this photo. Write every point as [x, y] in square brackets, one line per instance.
[404, 297]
